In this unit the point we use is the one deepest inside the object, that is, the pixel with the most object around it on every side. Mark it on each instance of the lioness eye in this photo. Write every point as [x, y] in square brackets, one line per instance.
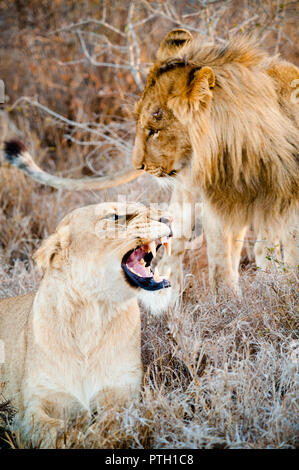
[111, 216]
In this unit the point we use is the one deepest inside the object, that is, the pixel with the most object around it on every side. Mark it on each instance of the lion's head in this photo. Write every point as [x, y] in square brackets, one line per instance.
[107, 250]
[214, 109]
[175, 86]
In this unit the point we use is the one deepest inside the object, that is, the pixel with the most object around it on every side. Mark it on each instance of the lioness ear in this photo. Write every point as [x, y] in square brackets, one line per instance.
[53, 251]
[172, 42]
[203, 80]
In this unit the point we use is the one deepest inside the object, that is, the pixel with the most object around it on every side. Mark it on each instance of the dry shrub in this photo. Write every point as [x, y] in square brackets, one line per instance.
[217, 375]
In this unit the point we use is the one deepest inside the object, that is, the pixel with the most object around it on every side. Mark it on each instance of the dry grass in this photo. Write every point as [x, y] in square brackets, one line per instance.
[217, 374]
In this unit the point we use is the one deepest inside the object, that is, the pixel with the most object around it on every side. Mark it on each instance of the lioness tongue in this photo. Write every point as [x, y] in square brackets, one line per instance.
[134, 264]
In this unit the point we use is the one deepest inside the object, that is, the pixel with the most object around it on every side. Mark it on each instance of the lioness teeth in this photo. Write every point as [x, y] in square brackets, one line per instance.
[152, 246]
[138, 263]
[167, 245]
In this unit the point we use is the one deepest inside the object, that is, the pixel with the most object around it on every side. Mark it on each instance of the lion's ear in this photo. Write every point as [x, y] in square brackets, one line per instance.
[195, 94]
[53, 251]
[172, 42]
[202, 82]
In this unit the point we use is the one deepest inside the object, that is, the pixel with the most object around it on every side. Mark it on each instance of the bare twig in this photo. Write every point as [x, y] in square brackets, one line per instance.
[95, 62]
[88, 21]
[89, 127]
[134, 50]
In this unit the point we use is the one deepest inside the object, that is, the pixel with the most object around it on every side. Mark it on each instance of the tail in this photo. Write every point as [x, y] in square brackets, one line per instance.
[15, 152]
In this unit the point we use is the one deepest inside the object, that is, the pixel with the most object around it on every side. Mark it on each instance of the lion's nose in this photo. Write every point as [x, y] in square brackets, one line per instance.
[140, 166]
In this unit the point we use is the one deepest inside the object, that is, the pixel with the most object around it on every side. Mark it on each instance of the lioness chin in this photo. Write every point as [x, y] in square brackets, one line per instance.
[74, 345]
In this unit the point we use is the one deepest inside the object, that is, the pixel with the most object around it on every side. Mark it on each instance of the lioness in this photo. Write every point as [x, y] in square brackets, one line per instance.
[218, 123]
[75, 343]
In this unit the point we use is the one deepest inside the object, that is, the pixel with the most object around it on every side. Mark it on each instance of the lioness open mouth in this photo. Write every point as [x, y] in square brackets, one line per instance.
[137, 265]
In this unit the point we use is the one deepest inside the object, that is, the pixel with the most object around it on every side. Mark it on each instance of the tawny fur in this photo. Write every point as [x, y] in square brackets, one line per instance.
[219, 122]
[74, 345]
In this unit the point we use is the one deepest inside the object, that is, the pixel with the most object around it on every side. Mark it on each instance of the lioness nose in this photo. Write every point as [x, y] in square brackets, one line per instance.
[167, 221]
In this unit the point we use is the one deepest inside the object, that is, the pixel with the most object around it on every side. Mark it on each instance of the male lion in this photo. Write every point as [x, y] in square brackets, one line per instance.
[217, 123]
[75, 343]
[219, 120]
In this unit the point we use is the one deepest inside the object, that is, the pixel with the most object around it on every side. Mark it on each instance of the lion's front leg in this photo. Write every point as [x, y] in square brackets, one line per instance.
[237, 240]
[222, 271]
[291, 248]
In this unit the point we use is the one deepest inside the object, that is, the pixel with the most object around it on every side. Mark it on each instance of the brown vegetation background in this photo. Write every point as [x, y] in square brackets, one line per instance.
[216, 374]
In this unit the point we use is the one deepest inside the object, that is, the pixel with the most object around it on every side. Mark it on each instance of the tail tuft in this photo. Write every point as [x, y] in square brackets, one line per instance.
[13, 148]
